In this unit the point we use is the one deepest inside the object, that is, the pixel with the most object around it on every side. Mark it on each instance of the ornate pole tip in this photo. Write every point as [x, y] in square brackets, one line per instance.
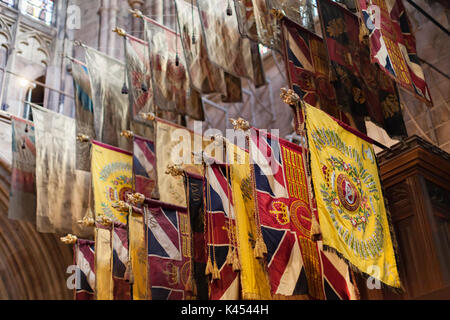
[83, 138]
[136, 13]
[127, 134]
[136, 198]
[69, 239]
[240, 124]
[122, 206]
[87, 221]
[119, 31]
[174, 170]
[150, 116]
[104, 220]
[289, 96]
[277, 14]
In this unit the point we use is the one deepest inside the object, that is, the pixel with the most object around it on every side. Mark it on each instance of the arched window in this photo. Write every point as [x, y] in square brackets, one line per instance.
[39, 9]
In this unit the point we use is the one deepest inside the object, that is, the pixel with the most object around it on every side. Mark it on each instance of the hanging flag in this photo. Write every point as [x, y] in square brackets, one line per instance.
[84, 251]
[169, 251]
[194, 194]
[294, 10]
[84, 114]
[285, 218]
[220, 235]
[22, 198]
[62, 191]
[111, 107]
[254, 279]
[362, 88]
[138, 256]
[111, 179]
[308, 67]
[144, 166]
[224, 44]
[104, 285]
[233, 87]
[171, 84]
[349, 198]
[175, 144]
[393, 45]
[257, 23]
[120, 262]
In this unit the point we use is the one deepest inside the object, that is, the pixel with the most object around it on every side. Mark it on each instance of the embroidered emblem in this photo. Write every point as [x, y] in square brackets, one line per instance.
[281, 212]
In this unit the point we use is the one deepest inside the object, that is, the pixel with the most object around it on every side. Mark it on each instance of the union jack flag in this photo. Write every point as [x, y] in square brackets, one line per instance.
[219, 224]
[120, 262]
[274, 203]
[144, 166]
[169, 251]
[85, 272]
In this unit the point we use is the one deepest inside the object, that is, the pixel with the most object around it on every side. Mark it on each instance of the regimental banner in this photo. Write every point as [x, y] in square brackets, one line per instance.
[144, 167]
[22, 199]
[62, 191]
[84, 252]
[111, 179]
[220, 235]
[257, 23]
[224, 44]
[169, 251]
[308, 67]
[140, 85]
[233, 88]
[171, 83]
[196, 208]
[254, 278]
[84, 114]
[138, 256]
[175, 144]
[282, 204]
[111, 107]
[393, 45]
[362, 89]
[120, 271]
[349, 198]
[205, 77]
[104, 285]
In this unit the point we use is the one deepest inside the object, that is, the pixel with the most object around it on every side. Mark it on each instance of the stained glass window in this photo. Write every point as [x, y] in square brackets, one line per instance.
[39, 9]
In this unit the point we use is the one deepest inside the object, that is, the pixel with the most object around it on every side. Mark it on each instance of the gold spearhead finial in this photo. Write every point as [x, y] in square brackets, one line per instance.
[127, 134]
[119, 31]
[121, 206]
[289, 96]
[136, 13]
[150, 116]
[277, 14]
[104, 220]
[136, 198]
[69, 239]
[174, 170]
[87, 221]
[240, 124]
[83, 138]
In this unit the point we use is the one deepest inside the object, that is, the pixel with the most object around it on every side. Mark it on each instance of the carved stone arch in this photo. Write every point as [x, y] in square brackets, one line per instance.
[34, 47]
[5, 33]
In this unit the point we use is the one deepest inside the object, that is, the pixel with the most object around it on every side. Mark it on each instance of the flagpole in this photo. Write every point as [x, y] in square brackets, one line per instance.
[138, 14]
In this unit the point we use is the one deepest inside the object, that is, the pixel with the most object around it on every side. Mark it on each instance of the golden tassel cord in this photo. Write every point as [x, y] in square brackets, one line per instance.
[229, 259]
[216, 272]
[209, 267]
[236, 263]
[260, 248]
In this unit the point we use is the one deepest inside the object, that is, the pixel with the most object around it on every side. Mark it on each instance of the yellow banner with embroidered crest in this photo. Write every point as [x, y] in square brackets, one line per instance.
[350, 202]
[254, 278]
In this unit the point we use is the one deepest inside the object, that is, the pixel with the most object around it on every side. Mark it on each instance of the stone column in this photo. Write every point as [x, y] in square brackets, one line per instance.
[136, 24]
[104, 28]
[112, 37]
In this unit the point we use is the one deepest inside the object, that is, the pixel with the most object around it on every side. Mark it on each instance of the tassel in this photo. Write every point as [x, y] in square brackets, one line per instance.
[23, 145]
[229, 259]
[193, 38]
[260, 248]
[229, 11]
[144, 87]
[26, 127]
[129, 273]
[177, 60]
[315, 228]
[209, 268]
[236, 263]
[188, 286]
[216, 272]
[124, 88]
